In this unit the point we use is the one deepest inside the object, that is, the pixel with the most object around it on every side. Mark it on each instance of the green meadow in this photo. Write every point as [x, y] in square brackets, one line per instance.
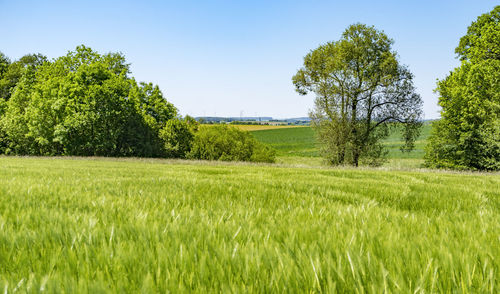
[155, 226]
[298, 146]
[298, 141]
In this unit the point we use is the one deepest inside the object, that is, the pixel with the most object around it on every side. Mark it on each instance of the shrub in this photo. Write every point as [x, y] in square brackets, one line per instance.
[229, 144]
[177, 136]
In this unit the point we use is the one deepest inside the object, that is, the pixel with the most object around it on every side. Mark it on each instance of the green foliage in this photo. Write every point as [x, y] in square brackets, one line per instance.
[468, 135]
[226, 143]
[361, 90]
[13, 72]
[482, 41]
[4, 64]
[108, 226]
[3, 135]
[151, 104]
[178, 136]
[83, 103]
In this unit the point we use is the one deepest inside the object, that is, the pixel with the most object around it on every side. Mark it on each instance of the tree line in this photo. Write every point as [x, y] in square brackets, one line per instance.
[88, 104]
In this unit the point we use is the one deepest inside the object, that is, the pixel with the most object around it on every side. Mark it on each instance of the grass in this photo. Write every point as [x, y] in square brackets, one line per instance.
[104, 225]
[299, 146]
[394, 142]
[290, 142]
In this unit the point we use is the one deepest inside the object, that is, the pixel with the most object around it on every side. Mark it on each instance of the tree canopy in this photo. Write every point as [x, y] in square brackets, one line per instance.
[468, 134]
[12, 72]
[87, 104]
[482, 41]
[83, 103]
[361, 91]
[4, 64]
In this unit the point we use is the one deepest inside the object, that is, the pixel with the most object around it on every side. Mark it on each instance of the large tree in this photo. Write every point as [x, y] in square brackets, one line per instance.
[12, 73]
[84, 103]
[361, 92]
[468, 134]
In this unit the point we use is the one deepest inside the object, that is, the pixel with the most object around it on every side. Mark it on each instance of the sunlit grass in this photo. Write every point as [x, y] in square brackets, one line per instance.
[92, 225]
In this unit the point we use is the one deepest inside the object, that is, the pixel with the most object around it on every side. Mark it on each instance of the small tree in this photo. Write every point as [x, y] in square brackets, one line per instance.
[468, 134]
[361, 90]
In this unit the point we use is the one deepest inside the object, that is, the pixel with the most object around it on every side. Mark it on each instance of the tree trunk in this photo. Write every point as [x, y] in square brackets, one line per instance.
[355, 158]
[354, 132]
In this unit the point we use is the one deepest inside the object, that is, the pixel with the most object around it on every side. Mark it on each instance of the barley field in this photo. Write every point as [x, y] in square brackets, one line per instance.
[153, 226]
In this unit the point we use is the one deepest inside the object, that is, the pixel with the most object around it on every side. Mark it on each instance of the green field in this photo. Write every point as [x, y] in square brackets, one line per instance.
[108, 225]
[299, 146]
[290, 142]
[394, 142]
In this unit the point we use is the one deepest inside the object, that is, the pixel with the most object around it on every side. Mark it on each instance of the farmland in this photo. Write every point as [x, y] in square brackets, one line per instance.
[265, 127]
[299, 146]
[113, 179]
[129, 225]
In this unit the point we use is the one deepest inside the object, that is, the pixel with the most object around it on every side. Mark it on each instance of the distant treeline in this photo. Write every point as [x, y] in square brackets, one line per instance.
[252, 120]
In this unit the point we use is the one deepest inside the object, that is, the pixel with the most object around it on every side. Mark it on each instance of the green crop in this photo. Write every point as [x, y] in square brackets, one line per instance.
[105, 225]
[299, 146]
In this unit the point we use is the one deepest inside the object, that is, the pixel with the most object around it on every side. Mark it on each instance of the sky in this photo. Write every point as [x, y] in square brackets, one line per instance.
[232, 58]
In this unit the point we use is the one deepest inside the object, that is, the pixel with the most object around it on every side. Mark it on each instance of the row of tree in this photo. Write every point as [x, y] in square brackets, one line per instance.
[87, 104]
[362, 91]
[83, 103]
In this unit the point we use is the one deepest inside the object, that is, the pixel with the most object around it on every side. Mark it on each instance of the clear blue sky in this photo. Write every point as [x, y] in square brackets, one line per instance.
[228, 57]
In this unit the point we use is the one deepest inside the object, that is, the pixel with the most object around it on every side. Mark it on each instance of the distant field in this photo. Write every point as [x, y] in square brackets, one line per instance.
[291, 141]
[394, 142]
[299, 146]
[107, 225]
[260, 127]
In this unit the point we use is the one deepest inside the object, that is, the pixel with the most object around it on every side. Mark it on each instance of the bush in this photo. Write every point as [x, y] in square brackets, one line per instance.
[177, 136]
[229, 144]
